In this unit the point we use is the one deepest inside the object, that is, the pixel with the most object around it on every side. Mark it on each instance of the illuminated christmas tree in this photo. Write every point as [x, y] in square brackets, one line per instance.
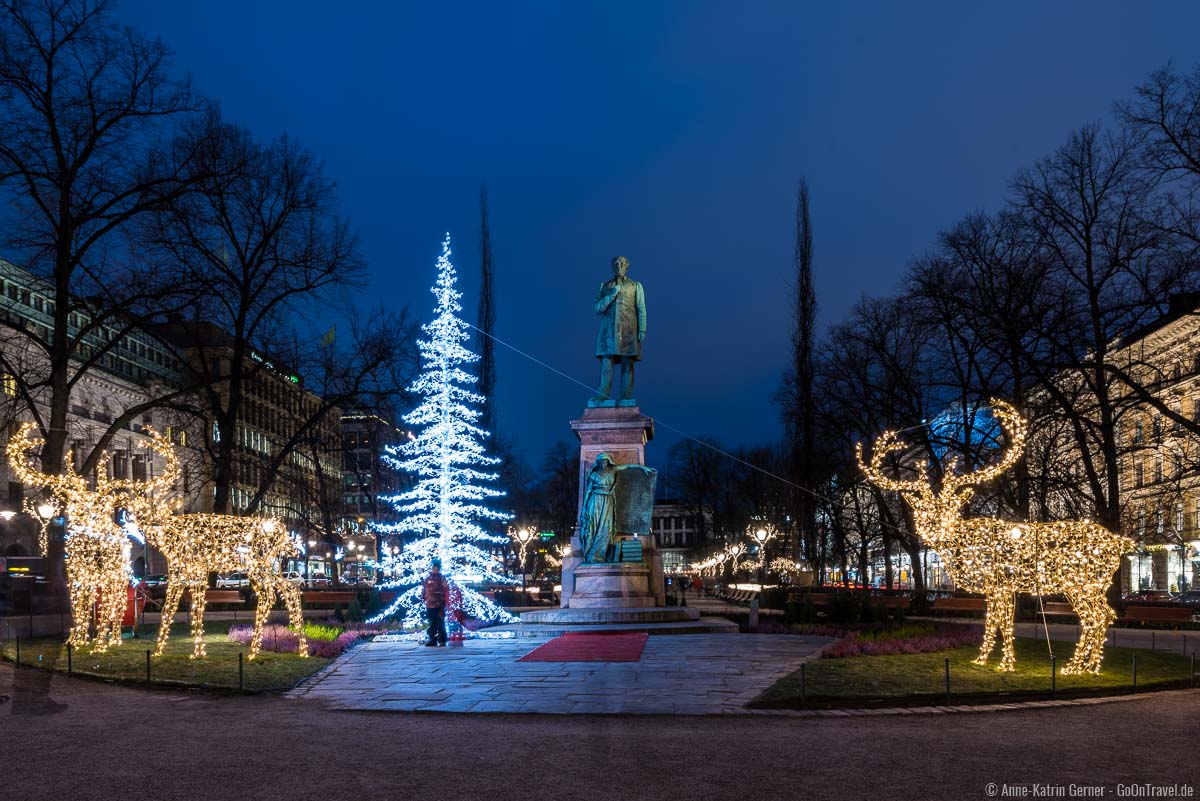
[446, 506]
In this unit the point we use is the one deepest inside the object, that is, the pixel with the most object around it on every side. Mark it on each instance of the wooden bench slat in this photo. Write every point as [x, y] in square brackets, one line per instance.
[326, 596]
[223, 597]
[1058, 608]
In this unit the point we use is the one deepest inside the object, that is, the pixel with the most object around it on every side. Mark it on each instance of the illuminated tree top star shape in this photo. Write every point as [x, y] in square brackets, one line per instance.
[446, 506]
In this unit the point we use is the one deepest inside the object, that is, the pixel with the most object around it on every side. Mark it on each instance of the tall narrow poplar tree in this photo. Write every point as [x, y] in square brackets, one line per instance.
[487, 317]
[801, 423]
[447, 503]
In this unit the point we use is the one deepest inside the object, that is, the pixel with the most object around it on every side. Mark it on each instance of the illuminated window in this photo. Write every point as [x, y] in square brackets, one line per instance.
[10, 384]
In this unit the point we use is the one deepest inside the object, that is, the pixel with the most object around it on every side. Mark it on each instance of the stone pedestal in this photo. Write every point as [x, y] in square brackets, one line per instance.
[620, 431]
[606, 586]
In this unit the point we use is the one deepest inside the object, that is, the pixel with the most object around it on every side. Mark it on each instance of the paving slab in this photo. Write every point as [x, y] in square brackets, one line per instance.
[695, 674]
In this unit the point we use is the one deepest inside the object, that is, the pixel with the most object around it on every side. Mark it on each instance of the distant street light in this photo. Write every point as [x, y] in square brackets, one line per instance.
[522, 537]
[45, 511]
[761, 534]
[734, 552]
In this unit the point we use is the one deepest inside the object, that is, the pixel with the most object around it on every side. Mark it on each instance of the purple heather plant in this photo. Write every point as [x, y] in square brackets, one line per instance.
[910, 640]
[281, 639]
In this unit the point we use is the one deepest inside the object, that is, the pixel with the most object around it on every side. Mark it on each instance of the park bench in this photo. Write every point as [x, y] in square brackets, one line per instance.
[818, 598]
[327, 598]
[971, 605]
[232, 598]
[1156, 614]
[894, 601]
[1057, 609]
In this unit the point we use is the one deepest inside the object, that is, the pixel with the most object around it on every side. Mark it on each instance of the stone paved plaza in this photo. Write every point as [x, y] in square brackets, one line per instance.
[699, 674]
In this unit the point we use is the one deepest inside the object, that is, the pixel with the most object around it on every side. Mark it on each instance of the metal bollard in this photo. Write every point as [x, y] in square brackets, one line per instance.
[147, 665]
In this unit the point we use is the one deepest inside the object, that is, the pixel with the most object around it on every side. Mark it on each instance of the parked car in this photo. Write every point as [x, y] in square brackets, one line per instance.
[1190, 597]
[233, 581]
[293, 578]
[1148, 596]
[318, 582]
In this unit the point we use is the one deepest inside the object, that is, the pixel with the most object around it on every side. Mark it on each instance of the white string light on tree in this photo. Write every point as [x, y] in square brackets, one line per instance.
[446, 505]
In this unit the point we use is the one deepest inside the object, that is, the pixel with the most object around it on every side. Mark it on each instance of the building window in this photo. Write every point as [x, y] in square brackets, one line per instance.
[1137, 431]
[1179, 518]
[1158, 468]
[1139, 474]
[10, 384]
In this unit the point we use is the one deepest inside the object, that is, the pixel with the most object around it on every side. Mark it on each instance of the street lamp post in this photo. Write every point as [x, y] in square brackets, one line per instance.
[761, 534]
[734, 552]
[522, 537]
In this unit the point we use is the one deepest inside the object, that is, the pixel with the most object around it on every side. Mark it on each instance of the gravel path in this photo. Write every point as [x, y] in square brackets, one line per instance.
[115, 743]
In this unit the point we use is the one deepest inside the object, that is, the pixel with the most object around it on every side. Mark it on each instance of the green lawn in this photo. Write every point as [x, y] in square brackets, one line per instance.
[219, 670]
[916, 679]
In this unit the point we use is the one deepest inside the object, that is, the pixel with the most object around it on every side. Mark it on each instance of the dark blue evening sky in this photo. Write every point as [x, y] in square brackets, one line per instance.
[672, 133]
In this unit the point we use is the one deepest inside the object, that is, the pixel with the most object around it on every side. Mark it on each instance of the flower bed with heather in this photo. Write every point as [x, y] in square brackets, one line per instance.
[904, 640]
[326, 640]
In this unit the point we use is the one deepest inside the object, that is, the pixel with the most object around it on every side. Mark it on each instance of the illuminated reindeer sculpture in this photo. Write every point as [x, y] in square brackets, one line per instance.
[198, 544]
[195, 545]
[1000, 558]
[97, 546]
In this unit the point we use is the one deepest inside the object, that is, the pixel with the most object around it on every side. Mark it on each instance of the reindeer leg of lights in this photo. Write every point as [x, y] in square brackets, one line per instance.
[114, 598]
[264, 591]
[175, 588]
[1095, 616]
[291, 597]
[198, 601]
[992, 625]
[1006, 609]
[81, 613]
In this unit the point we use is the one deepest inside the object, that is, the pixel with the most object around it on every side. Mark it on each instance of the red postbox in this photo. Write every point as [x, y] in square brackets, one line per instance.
[133, 607]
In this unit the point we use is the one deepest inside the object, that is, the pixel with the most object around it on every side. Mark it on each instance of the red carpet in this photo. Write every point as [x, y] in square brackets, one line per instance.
[617, 646]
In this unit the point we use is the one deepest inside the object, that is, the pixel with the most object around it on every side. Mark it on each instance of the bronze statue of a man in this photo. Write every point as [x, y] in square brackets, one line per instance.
[621, 305]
